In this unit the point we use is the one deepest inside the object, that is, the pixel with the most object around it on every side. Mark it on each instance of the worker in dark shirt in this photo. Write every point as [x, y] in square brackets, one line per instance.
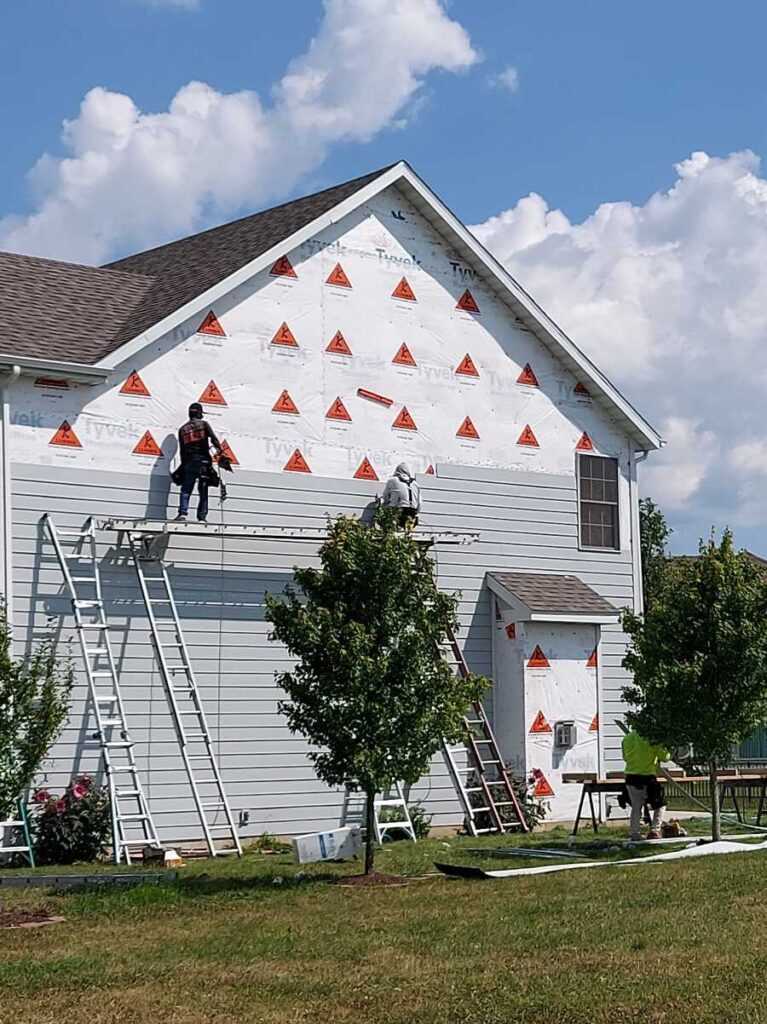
[194, 440]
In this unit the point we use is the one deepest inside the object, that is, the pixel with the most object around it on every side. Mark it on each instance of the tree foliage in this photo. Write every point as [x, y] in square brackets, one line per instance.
[370, 689]
[699, 655]
[654, 533]
[34, 703]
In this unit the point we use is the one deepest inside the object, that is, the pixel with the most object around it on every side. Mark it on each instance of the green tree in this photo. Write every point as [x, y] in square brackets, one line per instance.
[699, 657]
[653, 539]
[34, 703]
[370, 689]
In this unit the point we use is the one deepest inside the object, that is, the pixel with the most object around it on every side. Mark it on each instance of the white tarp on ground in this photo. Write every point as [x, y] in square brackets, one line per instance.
[723, 846]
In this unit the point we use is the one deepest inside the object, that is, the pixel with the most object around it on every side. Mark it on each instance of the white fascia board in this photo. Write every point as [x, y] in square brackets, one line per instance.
[590, 618]
[553, 335]
[77, 372]
[228, 284]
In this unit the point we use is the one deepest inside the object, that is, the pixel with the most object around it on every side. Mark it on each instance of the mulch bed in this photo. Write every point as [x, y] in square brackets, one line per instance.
[27, 918]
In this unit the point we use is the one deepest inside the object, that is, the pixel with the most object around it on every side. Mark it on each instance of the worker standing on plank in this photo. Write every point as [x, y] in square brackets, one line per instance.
[403, 493]
[194, 440]
[642, 760]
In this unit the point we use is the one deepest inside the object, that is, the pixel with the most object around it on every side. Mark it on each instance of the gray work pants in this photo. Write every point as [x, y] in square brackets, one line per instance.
[637, 796]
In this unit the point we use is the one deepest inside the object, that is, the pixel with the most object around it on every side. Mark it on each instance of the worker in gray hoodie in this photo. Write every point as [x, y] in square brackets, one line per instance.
[403, 493]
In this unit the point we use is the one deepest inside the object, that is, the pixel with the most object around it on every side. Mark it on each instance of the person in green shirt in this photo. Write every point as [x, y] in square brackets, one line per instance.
[642, 760]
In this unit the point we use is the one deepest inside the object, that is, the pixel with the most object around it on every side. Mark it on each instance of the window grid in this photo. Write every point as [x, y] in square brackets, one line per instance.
[598, 497]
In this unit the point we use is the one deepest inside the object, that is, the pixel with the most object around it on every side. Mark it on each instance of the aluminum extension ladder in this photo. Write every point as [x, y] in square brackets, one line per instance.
[183, 697]
[483, 786]
[129, 806]
[19, 828]
[355, 805]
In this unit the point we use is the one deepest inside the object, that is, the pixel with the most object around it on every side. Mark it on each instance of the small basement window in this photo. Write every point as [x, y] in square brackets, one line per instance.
[598, 499]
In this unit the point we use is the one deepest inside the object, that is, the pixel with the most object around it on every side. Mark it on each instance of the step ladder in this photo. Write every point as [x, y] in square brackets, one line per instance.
[183, 696]
[477, 768]
[355, 806]
[17, 829]
[132, 824]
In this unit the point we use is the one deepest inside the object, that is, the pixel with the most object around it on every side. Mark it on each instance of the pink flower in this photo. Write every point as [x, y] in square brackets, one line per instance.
[78, 790]
[85, 781]
[40, 796]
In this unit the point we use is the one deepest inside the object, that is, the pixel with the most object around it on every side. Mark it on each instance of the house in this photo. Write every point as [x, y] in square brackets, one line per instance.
[329, 338]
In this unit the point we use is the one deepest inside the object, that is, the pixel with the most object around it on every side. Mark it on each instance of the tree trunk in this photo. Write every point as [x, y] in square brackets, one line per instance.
[370, 830]
[716, 812]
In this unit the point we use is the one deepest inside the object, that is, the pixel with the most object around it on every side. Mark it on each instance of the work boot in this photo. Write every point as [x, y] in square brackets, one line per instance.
[652, 834]
[180, 518]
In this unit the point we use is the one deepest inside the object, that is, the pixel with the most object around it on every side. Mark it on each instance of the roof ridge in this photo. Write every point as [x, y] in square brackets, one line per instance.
[370, 176]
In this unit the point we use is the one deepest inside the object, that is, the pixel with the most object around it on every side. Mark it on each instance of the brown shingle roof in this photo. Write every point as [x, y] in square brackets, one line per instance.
[64, 311]
[553, 594]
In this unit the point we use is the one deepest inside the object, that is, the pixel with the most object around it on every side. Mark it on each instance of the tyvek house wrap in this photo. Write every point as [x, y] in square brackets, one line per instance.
[340, 307]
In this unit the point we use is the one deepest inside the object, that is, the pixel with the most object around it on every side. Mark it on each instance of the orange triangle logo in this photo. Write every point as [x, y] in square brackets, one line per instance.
[338, 345]
[511, 631]
[338, 277]
[66, 437]
[338, 411]
[404, 291]
[467, 367]
[147, 446]
[538, 659]
[283, 268]
[297, 463]
[528, 377]
[404, 356]
[226, 450]
[593, 661]
[540, 724]
[528, 437]
[285, 404]
[585, 444]
[594, 727]
[211, 395]
[404, 420]
[467, 429]
[365, 471]
[430, 470]
[211, 325]
[582, 390]
[467, 303]
[542, 787]
[134, 385]
[284, 336]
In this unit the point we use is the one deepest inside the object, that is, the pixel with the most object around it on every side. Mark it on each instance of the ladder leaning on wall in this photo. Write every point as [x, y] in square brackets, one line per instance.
[477, 769]
[132, 823]
[194, 738]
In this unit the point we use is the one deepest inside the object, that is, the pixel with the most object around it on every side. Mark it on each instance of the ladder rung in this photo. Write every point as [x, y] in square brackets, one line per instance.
[218, 805]
[153, 579]
[133, 817]
[118, 746]
[111, 722]
[123, 767]
[78, 556]
[503, 803]
[97, 650]
[86, 604]
[84, 579]
[479, 810]
[201, 757]
[123, 793]
[93, 625]
[196, 735]
[221, 828]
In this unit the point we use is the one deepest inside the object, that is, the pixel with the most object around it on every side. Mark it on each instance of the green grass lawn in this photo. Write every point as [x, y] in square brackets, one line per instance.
[680, 942]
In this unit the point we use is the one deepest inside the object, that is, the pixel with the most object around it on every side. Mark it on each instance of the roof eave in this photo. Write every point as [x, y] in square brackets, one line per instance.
[79, 373]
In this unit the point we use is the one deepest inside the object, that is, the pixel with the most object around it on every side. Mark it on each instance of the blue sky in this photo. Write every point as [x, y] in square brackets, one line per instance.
[610, 102]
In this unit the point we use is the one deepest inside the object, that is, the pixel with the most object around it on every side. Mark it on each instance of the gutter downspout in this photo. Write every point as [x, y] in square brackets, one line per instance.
[635, 457]
[6, 381]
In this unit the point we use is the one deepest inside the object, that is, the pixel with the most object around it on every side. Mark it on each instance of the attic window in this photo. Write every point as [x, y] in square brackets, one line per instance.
[598, 500]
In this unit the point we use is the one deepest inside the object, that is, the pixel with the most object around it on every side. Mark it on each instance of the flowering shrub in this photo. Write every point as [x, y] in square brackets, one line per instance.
[73, 827]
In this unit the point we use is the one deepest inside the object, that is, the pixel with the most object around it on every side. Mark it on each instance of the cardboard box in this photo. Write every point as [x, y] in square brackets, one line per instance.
[339, 844]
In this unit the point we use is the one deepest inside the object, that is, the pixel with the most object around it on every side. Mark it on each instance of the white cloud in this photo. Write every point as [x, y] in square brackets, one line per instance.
[668, 297]
[506, 79]
[132, 179]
